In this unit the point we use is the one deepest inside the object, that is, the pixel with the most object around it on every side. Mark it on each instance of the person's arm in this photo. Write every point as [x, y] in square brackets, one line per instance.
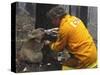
[62, 39]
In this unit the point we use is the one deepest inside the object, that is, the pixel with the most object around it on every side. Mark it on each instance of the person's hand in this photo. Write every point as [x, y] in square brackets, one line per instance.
[55, 30]
[46, 42]
[51, 31]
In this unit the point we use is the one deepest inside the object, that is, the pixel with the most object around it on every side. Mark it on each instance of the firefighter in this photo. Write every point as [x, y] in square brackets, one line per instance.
[74, 36]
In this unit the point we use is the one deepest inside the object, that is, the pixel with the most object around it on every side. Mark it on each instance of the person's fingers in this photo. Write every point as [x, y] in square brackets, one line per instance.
[55, 32]
[55, 29]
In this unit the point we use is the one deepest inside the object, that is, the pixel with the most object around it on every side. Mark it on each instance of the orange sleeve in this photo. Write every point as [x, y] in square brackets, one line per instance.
[62, 38]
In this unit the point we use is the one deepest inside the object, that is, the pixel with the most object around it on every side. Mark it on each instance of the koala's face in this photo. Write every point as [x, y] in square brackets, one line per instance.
[38, 34]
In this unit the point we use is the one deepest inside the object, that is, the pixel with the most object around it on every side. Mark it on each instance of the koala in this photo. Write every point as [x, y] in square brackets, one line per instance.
[31, 49]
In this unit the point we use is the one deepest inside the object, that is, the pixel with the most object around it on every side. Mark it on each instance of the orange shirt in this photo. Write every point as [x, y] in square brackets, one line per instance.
[74, 36]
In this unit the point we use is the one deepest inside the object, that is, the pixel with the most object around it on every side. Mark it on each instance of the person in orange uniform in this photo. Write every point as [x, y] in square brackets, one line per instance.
[74, 36]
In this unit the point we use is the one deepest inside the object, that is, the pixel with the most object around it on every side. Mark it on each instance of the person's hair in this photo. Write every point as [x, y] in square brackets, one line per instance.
[56, 12]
